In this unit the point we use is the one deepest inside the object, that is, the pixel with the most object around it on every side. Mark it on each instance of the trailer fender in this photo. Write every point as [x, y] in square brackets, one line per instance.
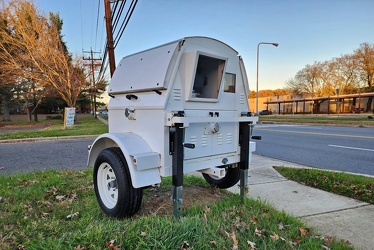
[143, 163]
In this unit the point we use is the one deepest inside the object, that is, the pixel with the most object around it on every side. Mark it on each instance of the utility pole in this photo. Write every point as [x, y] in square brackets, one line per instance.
[93, 65]
[109, 34]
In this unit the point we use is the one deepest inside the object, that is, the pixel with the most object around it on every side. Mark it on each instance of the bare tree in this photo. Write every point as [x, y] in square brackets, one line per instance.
[344, 72]
[308, 80]
[32, 48]
[365, 57]
[347, 73]
[323, 78]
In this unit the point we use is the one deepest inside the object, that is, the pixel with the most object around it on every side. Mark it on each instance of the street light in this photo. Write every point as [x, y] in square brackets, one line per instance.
[258, 50]
[278, 104]
[338, 102]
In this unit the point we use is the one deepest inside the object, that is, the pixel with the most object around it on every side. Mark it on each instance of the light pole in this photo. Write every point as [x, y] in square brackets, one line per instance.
[293, 104]
[278, 104]
[338, 102]
[258, 51]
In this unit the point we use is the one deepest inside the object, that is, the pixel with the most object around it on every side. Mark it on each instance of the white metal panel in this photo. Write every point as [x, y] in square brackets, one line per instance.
[172, 120]
[252, 146]
[209, 162]
[218, 172]
[210, 44]
[143, 71]
[145, 100]
[130, 144]
[206, 143]
[146, 160]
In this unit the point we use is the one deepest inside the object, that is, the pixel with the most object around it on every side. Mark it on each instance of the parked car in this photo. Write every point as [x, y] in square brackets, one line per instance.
[264, 112]
[102, 112]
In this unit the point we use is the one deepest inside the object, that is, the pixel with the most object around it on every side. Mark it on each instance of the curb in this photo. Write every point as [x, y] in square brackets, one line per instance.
[54, 138]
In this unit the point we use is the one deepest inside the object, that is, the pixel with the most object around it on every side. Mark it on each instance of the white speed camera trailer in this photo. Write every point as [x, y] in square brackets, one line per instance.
[174, 109]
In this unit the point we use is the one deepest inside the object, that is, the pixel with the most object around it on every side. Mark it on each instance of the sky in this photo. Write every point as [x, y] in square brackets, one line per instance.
[306, 30]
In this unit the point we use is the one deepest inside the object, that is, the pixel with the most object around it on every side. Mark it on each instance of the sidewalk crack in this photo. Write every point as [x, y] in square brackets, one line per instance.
[334, 211]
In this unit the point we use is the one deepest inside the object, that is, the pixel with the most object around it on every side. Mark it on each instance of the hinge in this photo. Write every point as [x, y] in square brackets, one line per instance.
[179, 113]
[248, 114]
[180, 44]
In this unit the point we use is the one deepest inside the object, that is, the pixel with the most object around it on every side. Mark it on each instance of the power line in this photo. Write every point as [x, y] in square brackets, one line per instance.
[102, 34]
[93, 18]
[125, 22]
[97, 21]
[118, 15]
[81, 22]
[104, 60]
[114, 9]
[115, 18]
[93, 64]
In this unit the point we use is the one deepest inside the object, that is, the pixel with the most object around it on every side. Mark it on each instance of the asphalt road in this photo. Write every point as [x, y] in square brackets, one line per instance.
[349, 149]
[56, 154]
[336, 148]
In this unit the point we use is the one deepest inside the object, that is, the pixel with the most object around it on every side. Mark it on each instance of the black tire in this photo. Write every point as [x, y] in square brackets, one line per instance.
[231, 178]
[113, 187]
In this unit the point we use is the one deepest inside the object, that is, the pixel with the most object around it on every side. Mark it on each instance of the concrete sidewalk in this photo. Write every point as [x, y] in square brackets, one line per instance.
[330, 214]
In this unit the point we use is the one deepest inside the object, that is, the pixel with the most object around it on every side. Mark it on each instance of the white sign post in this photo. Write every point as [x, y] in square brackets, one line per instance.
[69, 117]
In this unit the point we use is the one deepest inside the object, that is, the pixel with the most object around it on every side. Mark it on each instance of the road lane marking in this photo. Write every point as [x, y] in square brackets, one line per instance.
[316, 133]
[363, 149]
[277, 125]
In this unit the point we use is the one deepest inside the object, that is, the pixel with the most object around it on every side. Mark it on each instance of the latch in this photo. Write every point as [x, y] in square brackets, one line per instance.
[172, 132]
[179, 113]
[130, 113]
[131, 96]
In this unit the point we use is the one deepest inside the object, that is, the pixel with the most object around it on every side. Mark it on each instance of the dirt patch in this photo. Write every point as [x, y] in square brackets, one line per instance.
[158, 201]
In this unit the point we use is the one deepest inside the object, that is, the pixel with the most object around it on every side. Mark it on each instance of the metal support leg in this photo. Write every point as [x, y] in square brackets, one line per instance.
[177, 168]
[243, 184]
[177, 201]
[244, 135]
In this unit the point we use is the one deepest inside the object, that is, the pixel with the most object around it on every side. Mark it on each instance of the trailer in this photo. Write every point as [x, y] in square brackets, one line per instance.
[174, 109]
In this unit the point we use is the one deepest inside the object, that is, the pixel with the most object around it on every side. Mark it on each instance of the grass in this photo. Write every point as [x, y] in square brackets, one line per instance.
[354, 186]
[58, 210]
[320, 120]
[86, 125]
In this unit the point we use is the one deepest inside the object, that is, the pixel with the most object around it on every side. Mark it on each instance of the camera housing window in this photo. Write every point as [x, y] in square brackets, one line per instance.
[230, 81]
[208, 77]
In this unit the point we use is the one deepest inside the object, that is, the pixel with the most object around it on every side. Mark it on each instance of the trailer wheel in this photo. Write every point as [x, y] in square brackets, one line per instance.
[230, 179]
[113, 187]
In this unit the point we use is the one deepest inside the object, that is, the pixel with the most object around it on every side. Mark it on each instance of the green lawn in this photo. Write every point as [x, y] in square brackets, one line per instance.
[86, 125]
[361, 121]
[354, 186]
[58, 210]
